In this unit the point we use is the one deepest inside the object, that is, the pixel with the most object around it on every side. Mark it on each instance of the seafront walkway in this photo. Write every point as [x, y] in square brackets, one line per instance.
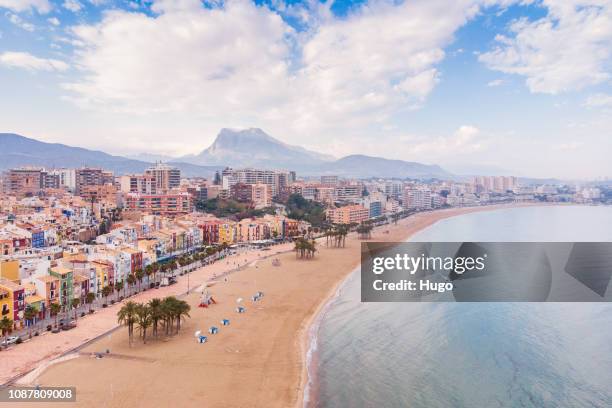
[20, 359]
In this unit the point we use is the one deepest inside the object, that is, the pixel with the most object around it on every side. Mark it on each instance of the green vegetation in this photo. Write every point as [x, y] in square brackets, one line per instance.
[365, 230]
[226, 208]
[299, 208]
[6, 326]
[337, 235]
[168, 312]
[305, 248]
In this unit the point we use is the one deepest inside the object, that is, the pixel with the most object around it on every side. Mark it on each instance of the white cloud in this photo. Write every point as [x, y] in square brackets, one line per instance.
[72, 5]
[495, 82]
[569, 49]
[19, 22]
[164, 6]
[466, 139]
[242, 64]
[599, 100]
[54, 21]
[41, 6]
[30, 62]
[569, 146]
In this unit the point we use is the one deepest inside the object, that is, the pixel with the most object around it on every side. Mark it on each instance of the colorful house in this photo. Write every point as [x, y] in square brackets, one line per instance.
[9, 270]
[16, 300]
[66, 284]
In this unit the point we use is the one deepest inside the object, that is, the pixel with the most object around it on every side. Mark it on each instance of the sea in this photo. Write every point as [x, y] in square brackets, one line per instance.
[469, 354]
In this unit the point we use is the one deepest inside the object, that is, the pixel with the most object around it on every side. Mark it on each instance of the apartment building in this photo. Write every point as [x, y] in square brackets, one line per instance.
[88, 176]
[159, 204]
[276, 179]
[166, 177]
[138, 183]
[25, 181]
[348, 214]
[417, 198]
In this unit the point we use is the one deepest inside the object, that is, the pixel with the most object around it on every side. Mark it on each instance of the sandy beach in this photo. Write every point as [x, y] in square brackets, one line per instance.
[256, 361]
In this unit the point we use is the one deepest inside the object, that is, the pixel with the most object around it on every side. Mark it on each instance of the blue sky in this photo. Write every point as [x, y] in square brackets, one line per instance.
[523, 87]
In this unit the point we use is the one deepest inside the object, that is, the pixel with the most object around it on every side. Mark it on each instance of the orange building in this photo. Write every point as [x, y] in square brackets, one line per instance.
[348, 214]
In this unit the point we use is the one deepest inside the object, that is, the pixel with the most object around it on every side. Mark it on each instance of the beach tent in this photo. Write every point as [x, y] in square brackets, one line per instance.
[206, 300]
[202, 339]
[225, 322]
[213, 330]
[240, 309]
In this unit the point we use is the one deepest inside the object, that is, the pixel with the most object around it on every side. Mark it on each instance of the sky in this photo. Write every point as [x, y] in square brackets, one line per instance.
[478, 86]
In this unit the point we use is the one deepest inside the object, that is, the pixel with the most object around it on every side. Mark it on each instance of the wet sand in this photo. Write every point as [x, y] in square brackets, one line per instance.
[256, 361]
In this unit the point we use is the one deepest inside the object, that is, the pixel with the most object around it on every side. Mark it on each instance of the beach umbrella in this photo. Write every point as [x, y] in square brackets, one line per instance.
[239, 300]
[198, 333]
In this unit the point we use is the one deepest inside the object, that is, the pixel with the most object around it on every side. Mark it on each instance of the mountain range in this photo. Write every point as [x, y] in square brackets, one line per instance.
[233, 148]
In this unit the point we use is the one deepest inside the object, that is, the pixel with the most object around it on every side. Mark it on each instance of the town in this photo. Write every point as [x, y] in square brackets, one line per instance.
[73, 240]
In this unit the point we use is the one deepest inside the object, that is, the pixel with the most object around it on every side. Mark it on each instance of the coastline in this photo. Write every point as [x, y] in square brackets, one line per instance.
[264, 352]
[309, 335]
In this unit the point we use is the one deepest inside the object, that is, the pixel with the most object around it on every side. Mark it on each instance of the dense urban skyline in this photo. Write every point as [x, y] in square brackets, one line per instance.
[519, 85]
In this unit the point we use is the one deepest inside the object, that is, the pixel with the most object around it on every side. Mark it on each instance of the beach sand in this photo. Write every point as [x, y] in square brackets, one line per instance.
[256, 361]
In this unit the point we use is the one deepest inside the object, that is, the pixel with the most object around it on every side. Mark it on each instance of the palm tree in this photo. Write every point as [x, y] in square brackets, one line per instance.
[106, 291]
[365, 231]
[89, 298]
[148, 270]
[75, 305]
[127, 316]
[156, 313]
[181, 311]
[139, 274]
[312, 247]
[131, 281]
[55, 310]
[144, 320]
[119, 287]
[299, 246]
[6, 326]
[29, 314]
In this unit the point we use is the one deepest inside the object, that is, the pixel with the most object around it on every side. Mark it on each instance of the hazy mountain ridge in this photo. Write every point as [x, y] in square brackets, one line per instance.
[17, 150]
[359, 165]
[254, 148]
[233, 148]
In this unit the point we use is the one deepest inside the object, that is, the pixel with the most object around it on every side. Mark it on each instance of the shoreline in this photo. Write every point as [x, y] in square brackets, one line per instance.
[264, 353]
[310, 335]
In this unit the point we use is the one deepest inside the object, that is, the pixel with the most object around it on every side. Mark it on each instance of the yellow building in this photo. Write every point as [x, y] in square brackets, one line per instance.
[227, 233]
[13, 302]
[6, 304]
[9, 270]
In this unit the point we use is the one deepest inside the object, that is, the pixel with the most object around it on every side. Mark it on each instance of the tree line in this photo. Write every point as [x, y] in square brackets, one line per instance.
[166, 314]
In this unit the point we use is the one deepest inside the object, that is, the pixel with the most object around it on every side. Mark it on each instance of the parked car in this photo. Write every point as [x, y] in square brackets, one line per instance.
[10, 340]
[67, 324]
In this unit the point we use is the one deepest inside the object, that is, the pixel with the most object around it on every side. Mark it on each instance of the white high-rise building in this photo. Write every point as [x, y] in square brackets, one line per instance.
[417, 198]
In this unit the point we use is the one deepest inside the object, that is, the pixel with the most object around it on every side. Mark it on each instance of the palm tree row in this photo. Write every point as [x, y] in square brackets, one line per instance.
[305, 248]
[167, 313]
[365, 230]
[337, 235]
[152, 270]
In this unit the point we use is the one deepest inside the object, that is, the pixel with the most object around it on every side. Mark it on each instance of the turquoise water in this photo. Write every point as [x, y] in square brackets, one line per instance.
[472, 354]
